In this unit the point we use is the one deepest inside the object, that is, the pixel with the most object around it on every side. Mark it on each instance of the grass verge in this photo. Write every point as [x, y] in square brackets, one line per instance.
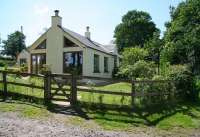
[28, 110]
[165, 117]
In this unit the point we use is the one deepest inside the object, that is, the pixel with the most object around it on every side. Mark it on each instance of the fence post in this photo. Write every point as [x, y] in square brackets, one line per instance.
[132, 92]
[5, 92]
[73, 99]
[47, 87]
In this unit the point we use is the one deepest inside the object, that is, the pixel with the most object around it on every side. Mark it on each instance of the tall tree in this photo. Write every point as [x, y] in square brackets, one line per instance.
[14, 44]
[136, 28]
[182, 39]
[154, 47]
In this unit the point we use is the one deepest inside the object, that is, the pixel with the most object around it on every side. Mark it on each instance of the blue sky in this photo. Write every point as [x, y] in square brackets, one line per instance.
[101, 15]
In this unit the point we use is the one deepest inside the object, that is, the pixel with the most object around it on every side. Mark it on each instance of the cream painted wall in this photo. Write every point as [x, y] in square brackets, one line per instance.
[88, 63]
[54, 55]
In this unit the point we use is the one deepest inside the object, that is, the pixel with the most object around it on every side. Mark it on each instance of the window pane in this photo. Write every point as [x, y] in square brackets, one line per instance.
[22, 61]
[38, 60]
[73, 62]
[42, 45]
[68, 43]
[33, 64]
[96, 63]
[105, 64]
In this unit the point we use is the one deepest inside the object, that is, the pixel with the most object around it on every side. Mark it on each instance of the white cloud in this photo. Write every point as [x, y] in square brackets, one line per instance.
[41, 9]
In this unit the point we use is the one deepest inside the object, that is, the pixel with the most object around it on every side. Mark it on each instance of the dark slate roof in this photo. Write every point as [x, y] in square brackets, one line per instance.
[89, 43]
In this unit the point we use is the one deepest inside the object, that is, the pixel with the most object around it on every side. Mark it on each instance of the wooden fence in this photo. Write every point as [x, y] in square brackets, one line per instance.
[133, 93]
[74, 88]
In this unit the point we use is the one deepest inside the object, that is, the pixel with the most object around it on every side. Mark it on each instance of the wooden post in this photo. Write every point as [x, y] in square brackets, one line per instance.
[73, 99]
[132, 93]
[47, 87]
[5, 92]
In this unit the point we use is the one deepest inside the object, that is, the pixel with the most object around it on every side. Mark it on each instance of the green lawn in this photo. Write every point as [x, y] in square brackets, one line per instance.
[29, 110]
[108, 99]
[185, 115]
[38, 93]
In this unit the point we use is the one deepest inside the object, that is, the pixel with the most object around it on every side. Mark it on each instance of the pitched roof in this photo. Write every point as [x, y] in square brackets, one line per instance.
[89, 43]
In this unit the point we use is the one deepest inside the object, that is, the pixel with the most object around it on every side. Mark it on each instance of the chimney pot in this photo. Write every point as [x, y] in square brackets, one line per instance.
[87, 33]
[56, 12]
[87, 28]
[56, 20]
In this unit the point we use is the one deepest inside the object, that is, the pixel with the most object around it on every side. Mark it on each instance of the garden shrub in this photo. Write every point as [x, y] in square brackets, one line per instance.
[2, 63]
[165, 89]
[197, 85]
[141, 69]
[183, 79]
[133, 64]
[24, 68]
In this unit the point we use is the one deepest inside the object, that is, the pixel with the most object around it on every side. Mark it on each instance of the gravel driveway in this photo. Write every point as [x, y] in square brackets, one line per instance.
[12, 125]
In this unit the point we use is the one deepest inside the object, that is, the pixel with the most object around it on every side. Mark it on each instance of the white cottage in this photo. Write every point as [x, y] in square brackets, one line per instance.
[64, 50]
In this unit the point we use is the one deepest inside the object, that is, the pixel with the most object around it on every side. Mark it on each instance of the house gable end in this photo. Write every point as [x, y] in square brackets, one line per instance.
[69, 43]
[73, 40]
[40, 43]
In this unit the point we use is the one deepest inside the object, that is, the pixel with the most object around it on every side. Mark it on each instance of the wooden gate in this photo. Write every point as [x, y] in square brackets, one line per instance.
[60, 87]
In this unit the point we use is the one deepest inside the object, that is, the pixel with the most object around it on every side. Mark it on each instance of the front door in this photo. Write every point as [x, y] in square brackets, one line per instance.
[37, 62]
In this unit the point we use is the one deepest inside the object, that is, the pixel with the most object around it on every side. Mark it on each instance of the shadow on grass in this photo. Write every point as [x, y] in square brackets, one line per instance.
[23, 97]
[149, 116]
[39, 102]
[67, 110]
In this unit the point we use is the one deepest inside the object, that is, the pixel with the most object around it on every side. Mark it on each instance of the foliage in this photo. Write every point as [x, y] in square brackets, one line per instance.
[14, 44]
[141, 69]
[197, 84]
[24, 68]
[183, 79]
[165, 91]
[2, 63]
[182, 37]
[136, 28]
[6, 62]
[154, 47]
[133, 64]
[131, 55]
